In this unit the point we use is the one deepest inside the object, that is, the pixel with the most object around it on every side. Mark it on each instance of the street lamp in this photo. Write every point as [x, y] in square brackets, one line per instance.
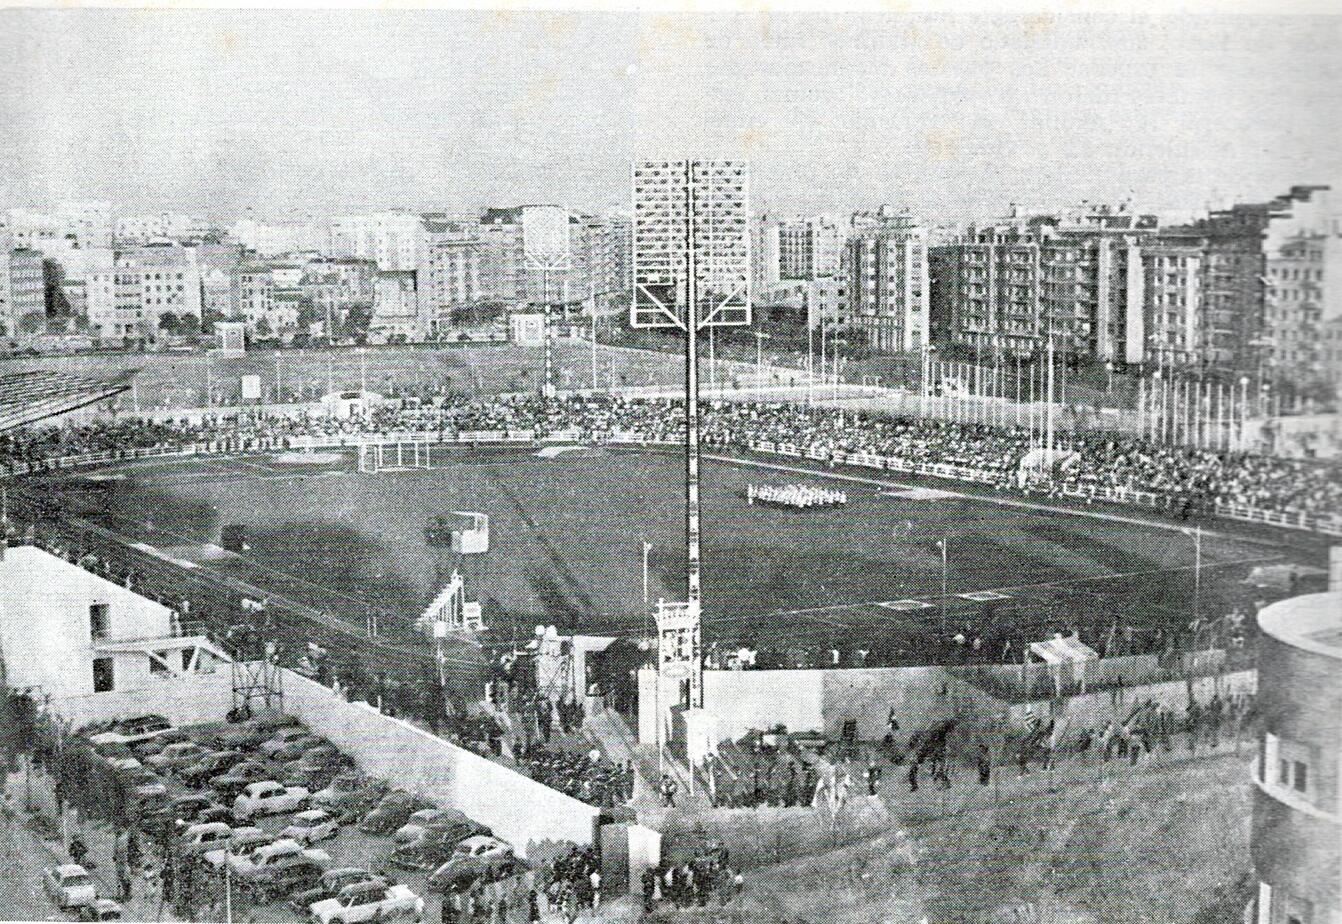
[926, 375]
[760, 337]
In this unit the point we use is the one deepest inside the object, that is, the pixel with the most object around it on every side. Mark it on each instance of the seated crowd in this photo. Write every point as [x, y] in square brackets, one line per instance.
[1094, 462]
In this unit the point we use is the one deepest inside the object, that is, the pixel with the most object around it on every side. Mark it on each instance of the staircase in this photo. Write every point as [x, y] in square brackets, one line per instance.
[608, 730]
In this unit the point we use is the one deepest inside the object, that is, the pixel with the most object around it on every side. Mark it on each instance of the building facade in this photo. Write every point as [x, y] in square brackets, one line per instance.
[885, 285]
[810, 248]
[1296, 840]
[26, 295]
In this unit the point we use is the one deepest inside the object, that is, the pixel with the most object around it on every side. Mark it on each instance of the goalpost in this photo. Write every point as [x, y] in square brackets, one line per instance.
[394, 457]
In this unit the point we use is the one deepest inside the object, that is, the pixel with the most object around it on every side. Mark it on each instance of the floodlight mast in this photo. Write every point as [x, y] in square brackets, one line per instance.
[692, 549]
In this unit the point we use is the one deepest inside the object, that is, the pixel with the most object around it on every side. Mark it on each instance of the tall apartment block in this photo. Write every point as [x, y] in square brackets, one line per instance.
[885, 294]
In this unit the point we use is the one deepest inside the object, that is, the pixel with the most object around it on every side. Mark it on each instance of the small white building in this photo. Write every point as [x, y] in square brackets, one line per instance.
[72, 633]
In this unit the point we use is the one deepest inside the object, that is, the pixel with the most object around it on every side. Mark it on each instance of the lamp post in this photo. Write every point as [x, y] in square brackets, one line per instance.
[760, 337]
[926, 375]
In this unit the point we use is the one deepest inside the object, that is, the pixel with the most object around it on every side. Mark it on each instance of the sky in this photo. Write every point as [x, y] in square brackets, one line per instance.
[284, 112]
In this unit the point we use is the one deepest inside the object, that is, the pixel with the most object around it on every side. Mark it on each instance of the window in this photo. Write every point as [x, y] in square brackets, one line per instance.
[102, 675]
[99, 614]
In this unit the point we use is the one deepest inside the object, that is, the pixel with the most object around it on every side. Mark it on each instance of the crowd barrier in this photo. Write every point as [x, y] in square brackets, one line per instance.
[1298, 520]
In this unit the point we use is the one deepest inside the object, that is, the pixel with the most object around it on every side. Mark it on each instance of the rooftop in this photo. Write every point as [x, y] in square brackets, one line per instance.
[1312, 622]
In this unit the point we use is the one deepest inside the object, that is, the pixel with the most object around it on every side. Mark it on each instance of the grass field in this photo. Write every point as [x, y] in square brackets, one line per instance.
[567, 536]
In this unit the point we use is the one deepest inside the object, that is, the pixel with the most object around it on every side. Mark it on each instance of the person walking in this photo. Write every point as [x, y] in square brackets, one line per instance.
[985, 765]
[913, 776]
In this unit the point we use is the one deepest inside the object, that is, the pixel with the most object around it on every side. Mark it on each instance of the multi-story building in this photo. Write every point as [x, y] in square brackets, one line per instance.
[254, 295]
[1075, 277]
[396, 312]
[159, 226]
[1331, 352]
[1296, 840]
[26, 296]
[765, 255]
[885, 287]
[448, 277]
[600, 261]
[70, 223]
[810, 248]
[716, 242]
[390, 239]
[334, 286]
[169, 281]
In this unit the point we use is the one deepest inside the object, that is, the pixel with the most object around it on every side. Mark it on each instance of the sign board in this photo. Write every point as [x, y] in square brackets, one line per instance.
[527, 329]
[251, 388]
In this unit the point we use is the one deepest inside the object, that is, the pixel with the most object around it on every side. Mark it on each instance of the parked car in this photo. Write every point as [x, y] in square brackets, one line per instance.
[211, 765]
[316, 771]
[70, 886]
[272, 853]
[473, 858]
[268, 798]
[350, 794]
[435, 846]
[215, 812]
[200, 837]
[125, 764]
[175, 756]
[242, 737]
[188, 808]
[236, 780]
[281, 737]
[104, 909]
[133, 731]
[418, 823]
[284, 877]
[394, 810]
[146, 747]
[241, 843]
[145, 785]
[271, 721]
[329, 886]
[295, 748]
[312, 825]
[368, 901]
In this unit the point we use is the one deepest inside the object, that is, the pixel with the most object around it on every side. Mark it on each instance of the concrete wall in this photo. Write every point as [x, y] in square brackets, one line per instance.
[187, 700]
[517, 808]
[44, 624]
[743, 700]
[821, 700]
[1094, 709]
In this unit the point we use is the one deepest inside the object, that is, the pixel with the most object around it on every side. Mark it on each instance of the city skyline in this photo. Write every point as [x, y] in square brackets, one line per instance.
[231, 113]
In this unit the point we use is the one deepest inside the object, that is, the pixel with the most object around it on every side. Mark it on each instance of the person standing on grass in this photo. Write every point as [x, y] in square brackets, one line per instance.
[985, 765]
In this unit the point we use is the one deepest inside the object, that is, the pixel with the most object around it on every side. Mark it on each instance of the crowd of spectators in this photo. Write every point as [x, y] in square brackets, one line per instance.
[589, 777]
[1087, 463]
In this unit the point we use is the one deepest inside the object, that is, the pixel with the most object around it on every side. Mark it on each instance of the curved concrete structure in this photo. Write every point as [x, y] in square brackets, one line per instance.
[1297, 819]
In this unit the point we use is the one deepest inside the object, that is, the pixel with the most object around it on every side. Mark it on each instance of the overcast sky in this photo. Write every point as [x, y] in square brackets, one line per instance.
[221, 111]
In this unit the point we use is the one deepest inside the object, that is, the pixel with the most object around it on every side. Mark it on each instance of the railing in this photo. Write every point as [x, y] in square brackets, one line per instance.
[1298, 520]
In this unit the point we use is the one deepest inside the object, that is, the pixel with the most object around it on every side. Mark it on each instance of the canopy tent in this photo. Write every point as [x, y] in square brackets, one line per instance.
[1061, 653]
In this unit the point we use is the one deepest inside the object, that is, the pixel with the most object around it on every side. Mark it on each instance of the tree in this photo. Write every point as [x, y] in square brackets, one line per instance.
[208, 317]
[189, 325]
[33, 322]
[263, 328]
[168, 322]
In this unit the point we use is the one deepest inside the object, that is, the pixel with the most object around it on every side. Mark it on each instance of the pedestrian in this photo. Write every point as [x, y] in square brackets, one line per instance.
[913, 776]
[649, 882]
[533, 907]
[594, 880]
[668, 791]
[985, 765]
[873, 778]
[77, 849]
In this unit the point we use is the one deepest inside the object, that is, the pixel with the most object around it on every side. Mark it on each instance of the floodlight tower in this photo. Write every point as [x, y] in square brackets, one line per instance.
[692, 273]
[545, 245]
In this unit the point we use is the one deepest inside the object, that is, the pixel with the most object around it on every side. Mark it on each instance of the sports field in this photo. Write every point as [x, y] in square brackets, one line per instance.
[566, 549]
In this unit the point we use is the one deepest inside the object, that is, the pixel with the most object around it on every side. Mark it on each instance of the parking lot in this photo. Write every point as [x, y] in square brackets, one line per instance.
[205, 790]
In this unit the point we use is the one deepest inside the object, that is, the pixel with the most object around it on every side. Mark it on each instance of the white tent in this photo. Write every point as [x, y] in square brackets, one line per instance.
[1062, 653]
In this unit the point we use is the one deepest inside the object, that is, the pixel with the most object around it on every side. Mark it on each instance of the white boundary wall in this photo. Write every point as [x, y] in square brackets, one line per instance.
[520, 810]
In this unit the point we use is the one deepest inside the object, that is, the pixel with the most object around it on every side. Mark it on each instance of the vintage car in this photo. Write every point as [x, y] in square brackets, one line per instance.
[368, 901]
[312, 825]
[329, 886]
[70, 886]
[268, 798]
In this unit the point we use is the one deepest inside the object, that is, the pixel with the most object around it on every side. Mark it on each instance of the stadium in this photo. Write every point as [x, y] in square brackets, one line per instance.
[322, 541]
